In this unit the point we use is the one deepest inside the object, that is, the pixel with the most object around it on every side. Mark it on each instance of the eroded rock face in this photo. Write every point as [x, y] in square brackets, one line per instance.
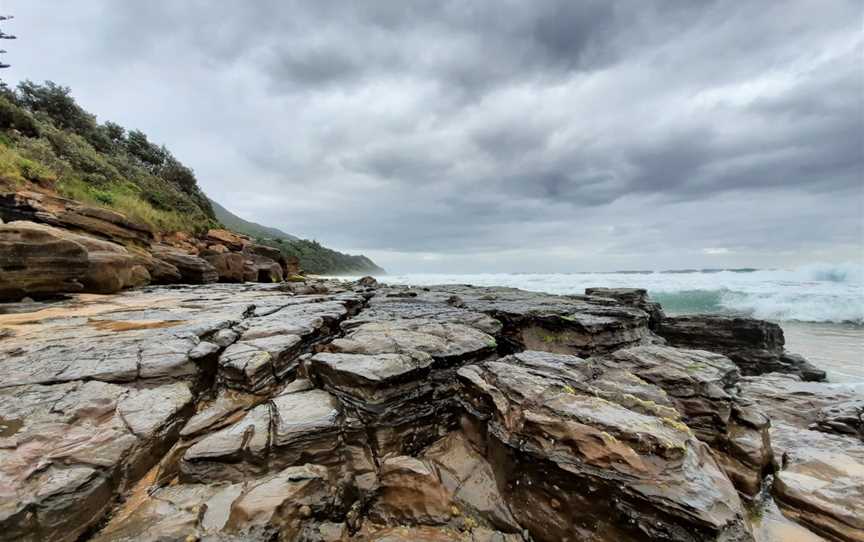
[289, 430]
[73, 215]
[37, 260]
[324, 411]
[560, 424]
[578, 325]
[815, 432]
[756, 346]
[67, 448]
[192, 269]
[808, 405]
[636, 297]
[703, 388]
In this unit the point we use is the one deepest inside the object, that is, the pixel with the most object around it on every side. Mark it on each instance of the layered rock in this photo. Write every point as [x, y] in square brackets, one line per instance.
[268, 346]
[193, 270]
[280, 504]
[578, 325]
[68, 448]
[816, 435]
[73, 215]
[636, 297]
[703, 388]
[291, 429]
[587, 452]
[322, 411]
[36, 260]
[756, 346]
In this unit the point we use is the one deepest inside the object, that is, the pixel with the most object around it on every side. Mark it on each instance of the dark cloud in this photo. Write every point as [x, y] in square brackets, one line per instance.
[497, 134]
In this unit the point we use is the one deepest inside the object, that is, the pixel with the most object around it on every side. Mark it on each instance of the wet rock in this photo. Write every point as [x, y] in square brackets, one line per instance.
[291, 429]
[582, 461]
[756, 346]
[257, 509]
[68, 448]
[578, 325]
[821, 482]
[636, 297]
[816, 436]
[703, 388]
[38, 260]
[193, 270]
[832, 408]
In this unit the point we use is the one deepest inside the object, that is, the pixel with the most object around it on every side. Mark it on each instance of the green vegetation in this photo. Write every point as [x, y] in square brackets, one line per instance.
[320, 260]
[48, 140]
[313, 257]
[247, 227]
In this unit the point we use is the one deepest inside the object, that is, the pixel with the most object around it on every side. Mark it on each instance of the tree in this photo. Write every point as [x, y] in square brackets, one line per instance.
[57, 102]
[5, 36]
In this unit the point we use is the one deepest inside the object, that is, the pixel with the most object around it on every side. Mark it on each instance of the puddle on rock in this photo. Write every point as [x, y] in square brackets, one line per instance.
[130, 325]
[10, 427]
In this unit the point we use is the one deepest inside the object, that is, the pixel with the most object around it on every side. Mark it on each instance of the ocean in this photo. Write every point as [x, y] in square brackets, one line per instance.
[820, 307]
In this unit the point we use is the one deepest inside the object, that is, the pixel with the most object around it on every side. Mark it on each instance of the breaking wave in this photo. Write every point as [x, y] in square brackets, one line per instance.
[810, 293]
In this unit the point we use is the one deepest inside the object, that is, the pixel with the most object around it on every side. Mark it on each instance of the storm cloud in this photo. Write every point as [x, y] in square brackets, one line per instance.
[493, 135]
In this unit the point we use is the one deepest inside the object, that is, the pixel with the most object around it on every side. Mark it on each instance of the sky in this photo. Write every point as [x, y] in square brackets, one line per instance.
[492, 135]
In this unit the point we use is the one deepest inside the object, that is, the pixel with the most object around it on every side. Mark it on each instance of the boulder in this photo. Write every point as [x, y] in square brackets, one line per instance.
[192, 269]
[260, 269]
[233, 241]
[35, 260]
[230, 266]
[756, 346]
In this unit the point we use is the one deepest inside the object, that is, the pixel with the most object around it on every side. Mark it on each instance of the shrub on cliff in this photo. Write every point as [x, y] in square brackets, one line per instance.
[102, 164]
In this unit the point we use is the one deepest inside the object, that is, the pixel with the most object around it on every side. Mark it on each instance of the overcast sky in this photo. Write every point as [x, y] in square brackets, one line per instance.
[496, 135]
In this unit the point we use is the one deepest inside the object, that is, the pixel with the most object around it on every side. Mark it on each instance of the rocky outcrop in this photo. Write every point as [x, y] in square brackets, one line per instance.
[577, 325]
[35, 260]
[816, 432]
[117, 253]
[756, 346]
[193, 270]
[74, 216]
[703, 387]
[562, 425]
[636, 297]
[324, 411]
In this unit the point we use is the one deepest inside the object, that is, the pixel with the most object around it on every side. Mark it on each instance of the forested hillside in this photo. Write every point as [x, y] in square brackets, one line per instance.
[50, 143]
[47, 139]
[313, 257]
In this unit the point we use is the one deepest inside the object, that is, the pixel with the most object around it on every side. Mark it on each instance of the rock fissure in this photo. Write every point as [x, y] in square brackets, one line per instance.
[383, 413]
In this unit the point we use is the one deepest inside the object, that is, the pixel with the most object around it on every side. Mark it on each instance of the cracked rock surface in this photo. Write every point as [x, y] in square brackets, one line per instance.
[334, 411]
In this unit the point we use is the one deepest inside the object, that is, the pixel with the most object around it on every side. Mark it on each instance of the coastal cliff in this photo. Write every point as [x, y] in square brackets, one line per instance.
[325, 411]
[60, 167]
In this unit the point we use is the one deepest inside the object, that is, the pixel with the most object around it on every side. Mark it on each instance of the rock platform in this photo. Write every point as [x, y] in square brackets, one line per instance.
[331, 411]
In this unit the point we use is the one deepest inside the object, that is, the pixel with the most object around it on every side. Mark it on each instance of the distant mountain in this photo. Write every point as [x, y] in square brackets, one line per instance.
[252, 229]
[313, 257]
